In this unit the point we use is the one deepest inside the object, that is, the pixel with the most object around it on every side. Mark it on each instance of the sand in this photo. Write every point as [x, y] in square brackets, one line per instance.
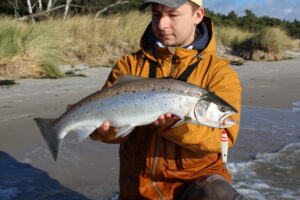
[270, 84]
[91, 168]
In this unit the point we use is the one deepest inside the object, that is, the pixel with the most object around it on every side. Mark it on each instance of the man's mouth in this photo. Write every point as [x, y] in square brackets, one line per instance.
[165, 36]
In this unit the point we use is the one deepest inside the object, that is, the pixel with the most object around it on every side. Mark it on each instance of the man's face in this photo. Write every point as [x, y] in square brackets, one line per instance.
[175, 26]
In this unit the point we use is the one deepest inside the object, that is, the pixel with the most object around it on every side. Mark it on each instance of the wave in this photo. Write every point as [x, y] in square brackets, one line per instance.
[273, 176]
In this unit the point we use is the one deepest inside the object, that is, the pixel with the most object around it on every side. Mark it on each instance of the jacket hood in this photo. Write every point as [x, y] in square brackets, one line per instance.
[204, 44]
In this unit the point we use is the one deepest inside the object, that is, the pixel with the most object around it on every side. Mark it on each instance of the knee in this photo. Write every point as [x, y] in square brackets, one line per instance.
[218, 188]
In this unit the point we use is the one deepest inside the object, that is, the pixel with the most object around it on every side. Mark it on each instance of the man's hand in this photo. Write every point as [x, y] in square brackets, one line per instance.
[166, 120]
[105, 127]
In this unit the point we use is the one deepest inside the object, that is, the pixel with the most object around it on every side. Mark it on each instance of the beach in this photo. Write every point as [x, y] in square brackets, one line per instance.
[89, 170]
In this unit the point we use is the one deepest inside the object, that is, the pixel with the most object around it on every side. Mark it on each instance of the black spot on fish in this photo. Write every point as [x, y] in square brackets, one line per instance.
[125, 91]
[118, 93]
[169, 89]
[133, 91]
[153, 89]
[163, 88]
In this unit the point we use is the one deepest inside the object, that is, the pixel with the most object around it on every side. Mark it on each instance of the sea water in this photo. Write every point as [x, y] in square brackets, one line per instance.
[265, 163]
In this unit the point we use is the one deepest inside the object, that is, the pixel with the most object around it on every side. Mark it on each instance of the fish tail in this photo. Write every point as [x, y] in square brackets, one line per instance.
[51, 137]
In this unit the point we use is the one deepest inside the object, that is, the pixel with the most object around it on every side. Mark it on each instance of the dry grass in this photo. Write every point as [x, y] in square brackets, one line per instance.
[24, 48]
[264, 45]
[267, 45]
[101, 42]
[231, 36]
[272, 39]
[35, 50]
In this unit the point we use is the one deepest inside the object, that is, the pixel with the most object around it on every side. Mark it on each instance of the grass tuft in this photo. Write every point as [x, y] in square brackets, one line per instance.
[23, 46]
[50, 70]
[267, 44]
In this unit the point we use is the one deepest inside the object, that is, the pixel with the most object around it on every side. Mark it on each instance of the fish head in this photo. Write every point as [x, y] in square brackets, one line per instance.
[213, 111]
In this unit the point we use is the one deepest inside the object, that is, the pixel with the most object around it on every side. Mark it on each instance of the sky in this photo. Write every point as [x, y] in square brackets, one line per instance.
[282, 9]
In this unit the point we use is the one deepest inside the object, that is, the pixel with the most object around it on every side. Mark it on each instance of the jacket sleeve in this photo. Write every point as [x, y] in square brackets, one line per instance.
[225, 83]
[110, 136]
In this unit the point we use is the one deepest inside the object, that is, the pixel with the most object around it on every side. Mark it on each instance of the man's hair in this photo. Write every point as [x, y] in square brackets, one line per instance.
[194, 6]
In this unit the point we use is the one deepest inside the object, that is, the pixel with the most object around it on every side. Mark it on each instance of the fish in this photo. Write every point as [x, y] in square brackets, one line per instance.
[135, 101]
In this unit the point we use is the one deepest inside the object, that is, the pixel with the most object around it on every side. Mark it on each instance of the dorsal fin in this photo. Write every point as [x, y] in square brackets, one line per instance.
[127, 78]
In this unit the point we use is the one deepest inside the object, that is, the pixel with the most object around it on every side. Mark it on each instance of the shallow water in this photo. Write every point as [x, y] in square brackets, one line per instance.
[269, 175]
[265, 164]
[266, 160]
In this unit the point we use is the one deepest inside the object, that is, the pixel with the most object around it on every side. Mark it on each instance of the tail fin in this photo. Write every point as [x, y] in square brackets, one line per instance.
[51, 137]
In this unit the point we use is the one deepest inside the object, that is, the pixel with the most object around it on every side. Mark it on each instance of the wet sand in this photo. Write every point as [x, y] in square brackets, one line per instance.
[270, 84]
[91, 168]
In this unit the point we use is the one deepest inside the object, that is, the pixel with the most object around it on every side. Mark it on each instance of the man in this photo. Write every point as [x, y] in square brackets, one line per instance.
[185, 162]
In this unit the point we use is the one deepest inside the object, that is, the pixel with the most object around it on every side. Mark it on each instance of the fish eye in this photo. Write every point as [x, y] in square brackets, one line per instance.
[223, 109]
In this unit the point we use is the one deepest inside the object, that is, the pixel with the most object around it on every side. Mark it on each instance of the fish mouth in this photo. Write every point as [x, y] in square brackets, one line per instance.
[226, 122]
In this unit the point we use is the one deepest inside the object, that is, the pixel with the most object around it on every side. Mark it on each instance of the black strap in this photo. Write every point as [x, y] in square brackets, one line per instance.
[152, 70]
[183, 77]
[186, 74]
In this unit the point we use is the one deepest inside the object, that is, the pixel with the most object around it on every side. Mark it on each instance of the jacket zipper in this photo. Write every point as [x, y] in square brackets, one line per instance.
[158, 192]
[173, 66]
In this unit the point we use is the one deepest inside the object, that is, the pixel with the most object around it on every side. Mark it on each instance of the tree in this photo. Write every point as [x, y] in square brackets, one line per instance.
[68, 2]
[249, 20]
[30, 10]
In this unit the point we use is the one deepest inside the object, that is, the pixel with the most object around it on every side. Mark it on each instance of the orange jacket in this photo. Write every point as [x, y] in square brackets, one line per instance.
[157, 163]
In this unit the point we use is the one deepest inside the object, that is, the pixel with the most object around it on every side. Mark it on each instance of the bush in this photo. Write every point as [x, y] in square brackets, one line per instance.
[270, 39]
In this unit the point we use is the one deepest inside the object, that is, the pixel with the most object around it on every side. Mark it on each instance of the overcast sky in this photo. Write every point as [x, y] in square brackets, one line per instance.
[282, 9]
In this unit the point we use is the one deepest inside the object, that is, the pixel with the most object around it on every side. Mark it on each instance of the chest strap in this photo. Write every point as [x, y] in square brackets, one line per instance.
[183, 77]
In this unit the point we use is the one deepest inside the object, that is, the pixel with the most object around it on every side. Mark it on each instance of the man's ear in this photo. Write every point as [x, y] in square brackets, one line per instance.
[199, 14]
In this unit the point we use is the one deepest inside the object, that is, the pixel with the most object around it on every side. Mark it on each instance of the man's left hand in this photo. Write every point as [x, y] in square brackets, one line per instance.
[166, 120]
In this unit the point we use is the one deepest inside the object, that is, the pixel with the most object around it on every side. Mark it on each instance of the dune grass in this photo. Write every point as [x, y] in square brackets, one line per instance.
[269, 39]
[100, 42]
[231, 36]
[24, 46]
[35, 50]
[266, 44]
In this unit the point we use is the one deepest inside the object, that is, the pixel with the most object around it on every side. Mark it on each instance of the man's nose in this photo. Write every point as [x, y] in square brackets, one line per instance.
[163, 22]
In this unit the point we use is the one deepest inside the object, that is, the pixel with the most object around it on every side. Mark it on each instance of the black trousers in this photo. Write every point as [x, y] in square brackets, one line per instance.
[213, 187]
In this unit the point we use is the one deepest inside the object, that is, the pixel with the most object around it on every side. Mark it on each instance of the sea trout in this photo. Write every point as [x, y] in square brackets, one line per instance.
[134, 101]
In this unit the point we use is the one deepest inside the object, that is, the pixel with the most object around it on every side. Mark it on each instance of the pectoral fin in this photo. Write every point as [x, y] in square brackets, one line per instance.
[182, 121]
